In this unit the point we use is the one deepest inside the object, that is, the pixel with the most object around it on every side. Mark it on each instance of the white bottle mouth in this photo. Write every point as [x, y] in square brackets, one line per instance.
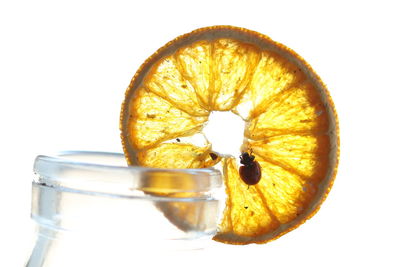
[106, 173]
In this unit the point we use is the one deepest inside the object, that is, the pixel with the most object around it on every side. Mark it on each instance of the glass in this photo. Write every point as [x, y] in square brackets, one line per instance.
[92, 210]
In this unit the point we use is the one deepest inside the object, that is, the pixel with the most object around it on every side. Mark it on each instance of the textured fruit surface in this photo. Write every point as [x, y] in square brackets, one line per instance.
[290, 126]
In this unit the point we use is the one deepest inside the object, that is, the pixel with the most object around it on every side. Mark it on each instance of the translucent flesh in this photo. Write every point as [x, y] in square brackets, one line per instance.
[178, 156]
[272, 75]
[232, 67]
[287, 129]
[194, 63]
[295, 110]
[154, 119]
[166, 81]
[247, 212]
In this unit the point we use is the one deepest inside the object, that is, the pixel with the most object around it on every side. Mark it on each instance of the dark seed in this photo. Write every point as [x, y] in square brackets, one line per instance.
[150, 116]
[213, 156]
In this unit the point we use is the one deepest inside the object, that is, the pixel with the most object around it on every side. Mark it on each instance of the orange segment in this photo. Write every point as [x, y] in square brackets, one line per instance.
[306, 155]
[178, 156]
[291, 128]
[246, 214]
[272, 75]
[287, 194]
[153, 119]
[298, 109]
[233, 63]
[194, 62]
[167, 81]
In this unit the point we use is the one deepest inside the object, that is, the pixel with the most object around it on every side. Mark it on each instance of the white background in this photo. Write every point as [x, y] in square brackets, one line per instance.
[64, 68]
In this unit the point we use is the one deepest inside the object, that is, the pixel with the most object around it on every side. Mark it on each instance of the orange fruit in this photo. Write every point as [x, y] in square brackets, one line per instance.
[291, 126]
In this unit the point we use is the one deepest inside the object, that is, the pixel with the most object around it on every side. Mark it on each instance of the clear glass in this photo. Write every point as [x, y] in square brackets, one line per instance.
[92, 210]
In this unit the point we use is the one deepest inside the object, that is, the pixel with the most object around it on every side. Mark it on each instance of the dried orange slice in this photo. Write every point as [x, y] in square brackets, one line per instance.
[291, 126]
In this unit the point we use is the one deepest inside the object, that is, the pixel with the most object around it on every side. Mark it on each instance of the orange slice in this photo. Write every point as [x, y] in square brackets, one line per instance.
[291, 126]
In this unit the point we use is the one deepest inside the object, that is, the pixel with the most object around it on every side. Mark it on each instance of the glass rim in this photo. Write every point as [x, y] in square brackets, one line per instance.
[96, 172]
